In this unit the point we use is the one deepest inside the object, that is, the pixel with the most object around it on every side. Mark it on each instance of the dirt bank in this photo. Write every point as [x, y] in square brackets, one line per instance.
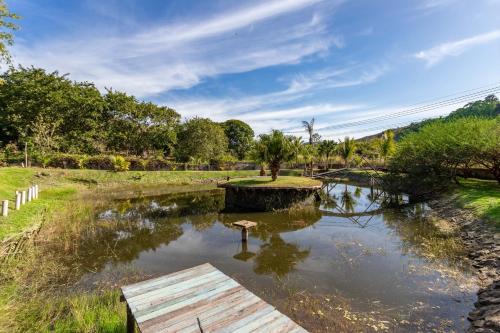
[482, 244]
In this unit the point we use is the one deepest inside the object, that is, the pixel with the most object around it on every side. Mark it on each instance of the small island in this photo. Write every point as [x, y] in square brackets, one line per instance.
[264, 194]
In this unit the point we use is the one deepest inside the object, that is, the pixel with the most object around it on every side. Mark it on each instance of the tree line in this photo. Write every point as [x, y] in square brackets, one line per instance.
[49, 113]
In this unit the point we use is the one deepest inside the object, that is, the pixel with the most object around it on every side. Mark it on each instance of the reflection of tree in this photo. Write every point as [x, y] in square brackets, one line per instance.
[347, 200]
[278, 257]
[357, 192]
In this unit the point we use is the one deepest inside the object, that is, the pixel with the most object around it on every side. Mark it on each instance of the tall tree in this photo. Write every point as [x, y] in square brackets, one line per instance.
[296, 143]
[202, 139]
[7, 26]
[239, 135]
[274, 148]
[309, 127]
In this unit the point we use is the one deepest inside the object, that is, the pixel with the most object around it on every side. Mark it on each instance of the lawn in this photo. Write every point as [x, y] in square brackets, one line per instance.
[482, 196]
[282, 181]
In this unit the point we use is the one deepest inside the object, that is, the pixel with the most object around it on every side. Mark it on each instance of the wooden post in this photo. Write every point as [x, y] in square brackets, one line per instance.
[25, 154]
[244, 234]
[130, 321]
[30, 194]
[5, 207]
[18, 200]
[36, 191]
[23, 197]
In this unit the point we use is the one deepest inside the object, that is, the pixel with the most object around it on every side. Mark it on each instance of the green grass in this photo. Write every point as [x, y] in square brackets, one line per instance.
[58, 186]
[282, 181]
[482, 196]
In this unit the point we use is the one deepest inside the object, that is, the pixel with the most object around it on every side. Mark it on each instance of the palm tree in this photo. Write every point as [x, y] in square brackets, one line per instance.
[387, 146]
[326, 148]
[296, 143]
[257, 154]
[274, 149]
[346, 150]
[309, 127]
[308, 153]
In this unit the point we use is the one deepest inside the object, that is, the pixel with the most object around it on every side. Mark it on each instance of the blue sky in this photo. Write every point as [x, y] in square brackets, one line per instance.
[271, 63]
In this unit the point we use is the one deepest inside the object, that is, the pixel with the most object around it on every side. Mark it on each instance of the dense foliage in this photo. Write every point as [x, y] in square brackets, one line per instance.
[431, 157]
[53, 115]
[202, 140]
[240, 136]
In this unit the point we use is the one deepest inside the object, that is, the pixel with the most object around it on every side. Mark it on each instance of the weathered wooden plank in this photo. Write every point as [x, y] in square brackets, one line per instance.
[211, 293]
[147, 308]
[173, 288]
[201, 297]
[140, 287]
[171, 318]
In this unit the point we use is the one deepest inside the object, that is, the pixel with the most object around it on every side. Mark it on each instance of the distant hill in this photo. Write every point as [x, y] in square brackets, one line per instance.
[487, 108]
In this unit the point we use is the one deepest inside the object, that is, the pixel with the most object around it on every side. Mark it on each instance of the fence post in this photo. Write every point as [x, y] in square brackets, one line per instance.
[23, 197]
[36, 191]
[18, 200]
[30, 194]
[5, 207]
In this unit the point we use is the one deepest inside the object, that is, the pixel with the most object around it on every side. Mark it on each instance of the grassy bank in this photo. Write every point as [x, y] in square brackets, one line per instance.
[36, 285]
[482, 196]
[58, 186]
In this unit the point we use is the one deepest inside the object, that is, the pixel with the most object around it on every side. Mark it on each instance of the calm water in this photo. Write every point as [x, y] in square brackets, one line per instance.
[380, 261]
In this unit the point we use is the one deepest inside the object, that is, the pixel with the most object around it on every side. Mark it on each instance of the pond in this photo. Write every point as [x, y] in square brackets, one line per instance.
[353, 262]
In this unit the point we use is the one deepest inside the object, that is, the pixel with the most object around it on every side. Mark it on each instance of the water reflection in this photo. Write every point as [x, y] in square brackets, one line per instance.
[354, 244]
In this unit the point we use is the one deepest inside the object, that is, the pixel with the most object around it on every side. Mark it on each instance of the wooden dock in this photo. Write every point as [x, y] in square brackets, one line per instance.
[200, 299]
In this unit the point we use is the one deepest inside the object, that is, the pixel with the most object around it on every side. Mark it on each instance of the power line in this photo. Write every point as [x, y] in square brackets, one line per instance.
[420, 109]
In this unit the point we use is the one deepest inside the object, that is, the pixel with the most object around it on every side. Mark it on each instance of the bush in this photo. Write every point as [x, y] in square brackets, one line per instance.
[137, 164]
[120, 163]
[159, 164]
[431, 157]
[98, 163]
[64, 161]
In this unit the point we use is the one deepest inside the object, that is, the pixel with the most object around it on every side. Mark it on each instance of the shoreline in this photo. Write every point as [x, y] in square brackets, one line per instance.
[482, 244]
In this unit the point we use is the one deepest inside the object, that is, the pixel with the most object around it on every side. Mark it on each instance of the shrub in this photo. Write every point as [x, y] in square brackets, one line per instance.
[137, 164]
[100, 162]
[159, 164]
[120, 163]
[431, 157]
[64, 161]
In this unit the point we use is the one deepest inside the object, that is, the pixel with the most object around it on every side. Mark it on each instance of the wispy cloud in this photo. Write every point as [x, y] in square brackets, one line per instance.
[427, 5]
[285, 109]
[183, 54]
[436, 54]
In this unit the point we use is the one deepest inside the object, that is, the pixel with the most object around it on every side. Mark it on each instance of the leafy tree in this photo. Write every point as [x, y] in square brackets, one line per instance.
[240, 136]
[346, 150]
[430, 158]
[200, 138]
[7, 26]
[274, 148]
[327, 148]
[30, 93]
[139, 127]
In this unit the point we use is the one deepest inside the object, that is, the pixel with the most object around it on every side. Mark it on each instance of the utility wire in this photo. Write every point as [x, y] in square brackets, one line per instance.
[422, 108]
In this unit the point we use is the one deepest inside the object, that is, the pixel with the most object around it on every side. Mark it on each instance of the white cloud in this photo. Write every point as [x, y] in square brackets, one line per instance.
[183, 54]
[286, 108]
[436, 54]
